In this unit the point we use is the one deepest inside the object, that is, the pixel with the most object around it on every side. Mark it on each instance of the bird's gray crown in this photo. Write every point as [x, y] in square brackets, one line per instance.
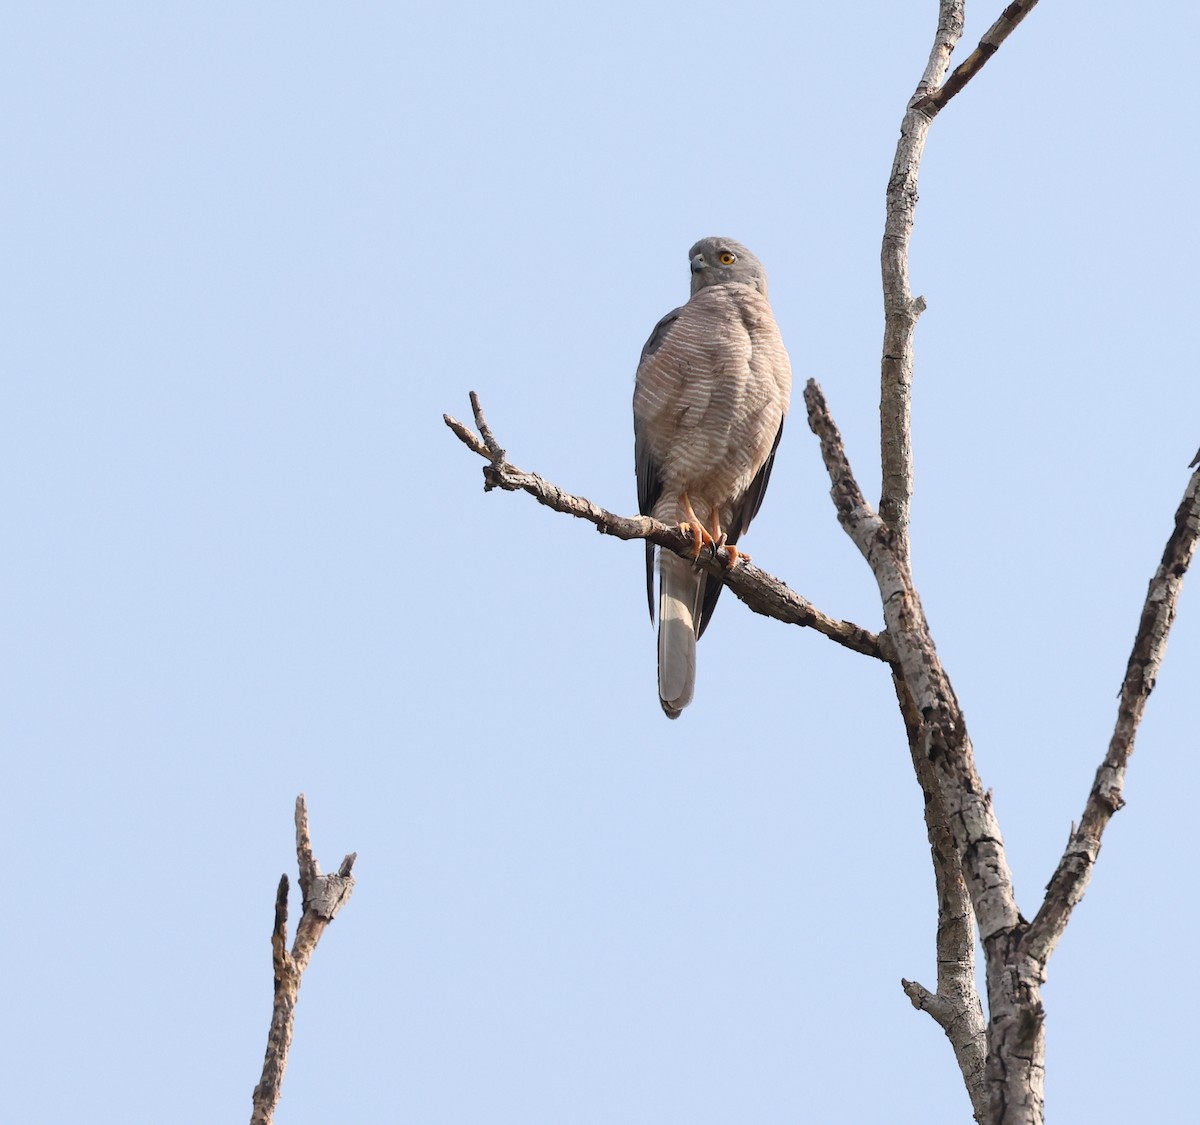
[719, 261]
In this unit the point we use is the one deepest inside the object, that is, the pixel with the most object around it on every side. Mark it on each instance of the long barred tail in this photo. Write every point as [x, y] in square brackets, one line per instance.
[681, 587]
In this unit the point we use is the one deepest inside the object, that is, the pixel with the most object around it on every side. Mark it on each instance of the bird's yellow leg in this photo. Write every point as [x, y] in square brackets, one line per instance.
[718, 540]
[693, 527]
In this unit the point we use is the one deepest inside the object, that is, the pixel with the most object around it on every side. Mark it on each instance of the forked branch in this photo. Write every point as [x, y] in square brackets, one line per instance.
[322, 896]
[935, 101]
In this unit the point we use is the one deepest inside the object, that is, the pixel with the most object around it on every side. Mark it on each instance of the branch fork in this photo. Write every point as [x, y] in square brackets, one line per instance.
[322, 896]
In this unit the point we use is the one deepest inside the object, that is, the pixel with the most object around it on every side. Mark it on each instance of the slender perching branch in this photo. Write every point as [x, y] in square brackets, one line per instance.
[760, 591]
[322, 896]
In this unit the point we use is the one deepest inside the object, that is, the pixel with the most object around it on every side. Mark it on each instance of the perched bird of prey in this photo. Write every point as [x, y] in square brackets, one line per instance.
[712, 389]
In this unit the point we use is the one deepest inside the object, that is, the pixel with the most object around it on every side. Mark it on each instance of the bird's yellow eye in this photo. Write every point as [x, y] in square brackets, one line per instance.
[727, 258]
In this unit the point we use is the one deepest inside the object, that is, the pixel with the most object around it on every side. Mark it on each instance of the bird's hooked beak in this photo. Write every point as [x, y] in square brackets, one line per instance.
[698, 263]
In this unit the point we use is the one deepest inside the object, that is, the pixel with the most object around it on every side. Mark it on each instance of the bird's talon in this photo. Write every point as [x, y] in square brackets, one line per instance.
[698, 534]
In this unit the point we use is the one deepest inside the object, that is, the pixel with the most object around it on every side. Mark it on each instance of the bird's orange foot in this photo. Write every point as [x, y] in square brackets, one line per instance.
[731, 551]
[699, 536]
[734, 555]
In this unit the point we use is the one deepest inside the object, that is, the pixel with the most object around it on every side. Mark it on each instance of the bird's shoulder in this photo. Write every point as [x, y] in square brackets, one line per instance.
[659, 334]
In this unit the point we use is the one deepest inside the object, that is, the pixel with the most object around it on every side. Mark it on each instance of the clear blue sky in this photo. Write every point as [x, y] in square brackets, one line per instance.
[251, 253]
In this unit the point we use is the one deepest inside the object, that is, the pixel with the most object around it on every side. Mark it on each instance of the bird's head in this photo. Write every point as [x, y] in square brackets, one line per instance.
[719, 261]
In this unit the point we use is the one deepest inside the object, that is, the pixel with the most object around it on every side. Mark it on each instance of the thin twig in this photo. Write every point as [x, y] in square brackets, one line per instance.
[485, 431]
[323, 896]
[759, 590]
[1074, 870]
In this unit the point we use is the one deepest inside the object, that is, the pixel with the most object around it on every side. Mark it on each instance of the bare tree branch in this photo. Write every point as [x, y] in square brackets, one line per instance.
[901, 308]
[762, 592]
[933, 103]
[323, 896]
[1074, 871]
